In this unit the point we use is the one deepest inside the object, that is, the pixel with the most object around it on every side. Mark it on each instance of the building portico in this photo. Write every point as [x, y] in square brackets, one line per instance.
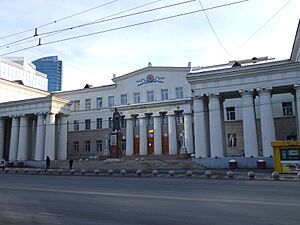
[28, 129]
[255, 84]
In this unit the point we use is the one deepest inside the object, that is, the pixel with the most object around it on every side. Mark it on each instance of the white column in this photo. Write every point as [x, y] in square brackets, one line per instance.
[249, 124]
[50, 136]
[200, 131]
[266, 121]
[40, 137]
[23, 139]
[172, 134]
[188, 133]
[62, 137]
[157, 135]
[129, 136]
[14, 138]
[216, 128]
[143, 136]
[1, 138]
[297, 103]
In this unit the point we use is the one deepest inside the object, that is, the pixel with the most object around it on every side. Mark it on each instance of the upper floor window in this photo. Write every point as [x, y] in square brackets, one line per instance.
[164, 119]
[230, 113]
[123, 99]
[179, 118]
[179, 92]
[99, 123]
[137, 97]
[164, 94]
[109, 122]
[88, 124]
[136, 122]
[150, 96]
[76, 105]
[76, 125]
[150, 121]
[88, 104]
[111, 101]
[99, 103]
[287, 108]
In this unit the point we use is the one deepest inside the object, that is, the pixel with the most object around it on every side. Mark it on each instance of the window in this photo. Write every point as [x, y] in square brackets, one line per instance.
[287, 108]
[164, 119]
[231, 140]
[111, 101]
[109, 122]
[137, 97]
[164, 94]
[179, 118]
[99, 103]
[179, 92]
[150, 96]
[230, 113]
[99, 145]
[76, 125]
[136, 122]
[99, 123]
[123, 99]
[76, 146]
[87, 146]
[76, 105]
[150, 121]
[88, 124]
[123, 122]
[88, 104]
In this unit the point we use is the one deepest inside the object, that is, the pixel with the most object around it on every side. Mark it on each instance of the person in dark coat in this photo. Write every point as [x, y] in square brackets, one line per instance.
[47, 163]
[71, 164]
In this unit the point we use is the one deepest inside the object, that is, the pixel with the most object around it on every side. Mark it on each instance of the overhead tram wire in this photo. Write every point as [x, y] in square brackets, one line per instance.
[55, 21]
[120, 17]
[130, 25]
[261, 27]
[105, 19]
[213, 30]
[115, 14]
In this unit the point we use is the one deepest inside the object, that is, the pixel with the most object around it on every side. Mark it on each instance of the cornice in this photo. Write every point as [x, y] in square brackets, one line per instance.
[243, 71]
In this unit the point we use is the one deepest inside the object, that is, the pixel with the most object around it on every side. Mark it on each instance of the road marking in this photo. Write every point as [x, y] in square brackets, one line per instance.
[160, 197]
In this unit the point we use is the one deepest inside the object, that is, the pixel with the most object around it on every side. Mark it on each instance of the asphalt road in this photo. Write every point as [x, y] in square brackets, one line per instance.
[52, 200]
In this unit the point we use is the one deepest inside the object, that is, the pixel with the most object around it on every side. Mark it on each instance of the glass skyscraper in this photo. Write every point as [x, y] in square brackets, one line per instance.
[53, 68]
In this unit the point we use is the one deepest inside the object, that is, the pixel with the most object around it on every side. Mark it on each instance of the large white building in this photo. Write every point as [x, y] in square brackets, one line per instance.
[235, 109]
[18, 69]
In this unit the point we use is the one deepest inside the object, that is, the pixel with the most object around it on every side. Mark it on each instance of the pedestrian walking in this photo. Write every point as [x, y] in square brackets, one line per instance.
[47, 163]
[71, 164]
[2, 163]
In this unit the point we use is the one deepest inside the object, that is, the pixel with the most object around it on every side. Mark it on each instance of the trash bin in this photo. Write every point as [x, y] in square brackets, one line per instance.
[232, 164]
[261, 164]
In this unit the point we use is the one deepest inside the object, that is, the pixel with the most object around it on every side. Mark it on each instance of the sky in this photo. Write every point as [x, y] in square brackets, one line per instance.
[253, 28]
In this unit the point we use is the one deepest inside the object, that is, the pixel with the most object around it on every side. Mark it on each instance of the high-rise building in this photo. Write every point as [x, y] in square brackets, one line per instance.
[51, 66]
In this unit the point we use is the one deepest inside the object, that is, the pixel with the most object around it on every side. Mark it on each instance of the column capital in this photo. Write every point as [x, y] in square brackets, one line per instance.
[297, 87]
[171, 113]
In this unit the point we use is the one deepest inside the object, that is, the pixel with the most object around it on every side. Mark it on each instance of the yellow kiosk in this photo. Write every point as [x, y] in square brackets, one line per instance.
[286, 156]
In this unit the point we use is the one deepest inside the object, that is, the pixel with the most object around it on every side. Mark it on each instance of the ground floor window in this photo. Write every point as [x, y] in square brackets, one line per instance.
[76, 146]
[231, 140]
[99, 145]
[87, 146]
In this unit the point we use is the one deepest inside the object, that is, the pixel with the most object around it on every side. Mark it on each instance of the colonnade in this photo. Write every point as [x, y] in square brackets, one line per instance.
[157, 129]
[33, 137]
[210, 137]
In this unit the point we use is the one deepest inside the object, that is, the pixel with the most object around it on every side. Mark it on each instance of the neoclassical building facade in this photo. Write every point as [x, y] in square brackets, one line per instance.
[234, 109]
